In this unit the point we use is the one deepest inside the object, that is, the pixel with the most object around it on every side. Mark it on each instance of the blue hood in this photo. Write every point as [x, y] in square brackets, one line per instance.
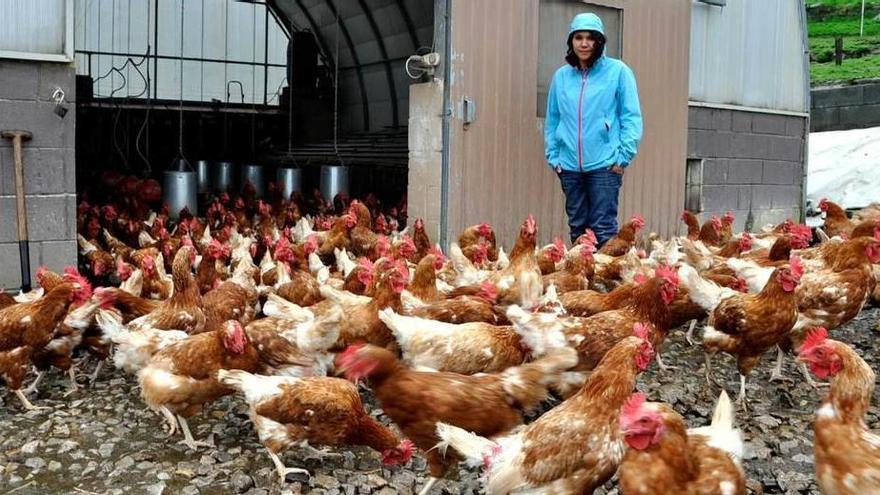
[586, 22]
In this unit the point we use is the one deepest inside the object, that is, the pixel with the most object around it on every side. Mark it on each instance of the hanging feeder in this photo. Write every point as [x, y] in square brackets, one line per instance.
[203, 169]
[289, 179]
[181, 184]
[222, 177]
[254, 174]
[334, 180]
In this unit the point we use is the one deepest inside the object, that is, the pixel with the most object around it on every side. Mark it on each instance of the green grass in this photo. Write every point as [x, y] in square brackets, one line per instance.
[842, 27]
[828, 19]
[851, 69]
[822, 49]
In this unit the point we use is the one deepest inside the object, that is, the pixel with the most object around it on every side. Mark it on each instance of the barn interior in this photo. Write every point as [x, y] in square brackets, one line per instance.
[293, 96]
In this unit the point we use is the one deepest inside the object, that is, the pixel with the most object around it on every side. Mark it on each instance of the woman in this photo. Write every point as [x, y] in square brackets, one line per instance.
[592, 130]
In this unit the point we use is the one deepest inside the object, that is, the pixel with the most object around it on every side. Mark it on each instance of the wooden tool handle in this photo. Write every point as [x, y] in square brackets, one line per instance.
[19, 190]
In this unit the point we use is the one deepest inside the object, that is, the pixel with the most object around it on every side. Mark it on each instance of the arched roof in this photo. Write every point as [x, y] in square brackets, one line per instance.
[375, 37]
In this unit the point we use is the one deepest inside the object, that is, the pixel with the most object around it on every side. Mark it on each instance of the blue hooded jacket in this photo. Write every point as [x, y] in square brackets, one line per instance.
[593, 117]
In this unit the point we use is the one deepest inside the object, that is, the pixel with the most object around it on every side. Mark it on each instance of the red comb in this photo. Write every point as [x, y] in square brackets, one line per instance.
[638, 221]
[633, 404]
[640, 330]
[559, 244]
[797, 268]
[668, 273]
[816, 337]
[640, 278]
[366, 264]
[71, 274]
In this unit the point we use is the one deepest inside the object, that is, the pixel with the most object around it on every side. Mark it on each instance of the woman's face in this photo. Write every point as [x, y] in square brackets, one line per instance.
[583, 45]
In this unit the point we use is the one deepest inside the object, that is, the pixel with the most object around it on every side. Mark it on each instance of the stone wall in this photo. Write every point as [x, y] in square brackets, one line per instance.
[746, 162]
[49, 166]
[847, 107]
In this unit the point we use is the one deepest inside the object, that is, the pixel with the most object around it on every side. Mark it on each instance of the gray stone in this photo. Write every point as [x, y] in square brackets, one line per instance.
[106, 450]
[30, 447]
[156, 488]
[54, 466]
[35, 463]
[324, 481]
[190, 490]
[241, 482]
[124, 463]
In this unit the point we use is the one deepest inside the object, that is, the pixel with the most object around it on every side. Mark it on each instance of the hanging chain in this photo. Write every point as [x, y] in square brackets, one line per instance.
[336, 95]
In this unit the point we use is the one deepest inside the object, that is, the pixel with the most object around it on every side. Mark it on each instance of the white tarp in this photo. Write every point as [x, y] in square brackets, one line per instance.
[844, 167]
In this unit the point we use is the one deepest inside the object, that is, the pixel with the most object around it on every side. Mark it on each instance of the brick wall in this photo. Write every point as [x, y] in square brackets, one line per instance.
[848, 107]
[49, 167]
[752, 164]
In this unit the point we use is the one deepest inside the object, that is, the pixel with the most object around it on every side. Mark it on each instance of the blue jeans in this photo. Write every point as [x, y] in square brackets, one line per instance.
[591, 200]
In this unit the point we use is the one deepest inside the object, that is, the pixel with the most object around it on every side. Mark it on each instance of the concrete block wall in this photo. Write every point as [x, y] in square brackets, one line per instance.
[847, 107]
[752, 164]
[425, 155]
[49, 166]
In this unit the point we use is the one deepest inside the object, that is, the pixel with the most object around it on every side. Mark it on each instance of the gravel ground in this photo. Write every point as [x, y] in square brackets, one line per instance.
[103, 439]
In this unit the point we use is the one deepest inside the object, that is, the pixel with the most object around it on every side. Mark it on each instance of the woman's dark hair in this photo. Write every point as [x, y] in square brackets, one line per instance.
[572, 58]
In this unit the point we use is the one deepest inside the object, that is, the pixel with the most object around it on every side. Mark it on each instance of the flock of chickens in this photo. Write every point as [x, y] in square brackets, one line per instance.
[459, 349]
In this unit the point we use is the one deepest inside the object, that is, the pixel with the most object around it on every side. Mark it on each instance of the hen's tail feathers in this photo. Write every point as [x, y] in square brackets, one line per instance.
[723, 415]
[254, 387]
[721, 433]
[111, 324]
[471, 446]
[279, 307]
[702, 292]
[528, 384]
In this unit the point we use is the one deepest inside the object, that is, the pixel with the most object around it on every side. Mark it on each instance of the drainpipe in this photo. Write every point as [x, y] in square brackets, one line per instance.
[445, 6]
[802, 11]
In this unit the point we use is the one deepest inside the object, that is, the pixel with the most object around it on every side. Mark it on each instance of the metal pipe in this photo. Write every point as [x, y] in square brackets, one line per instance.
[447, 118]
[805, 45]
[265, 54]
[176, 58]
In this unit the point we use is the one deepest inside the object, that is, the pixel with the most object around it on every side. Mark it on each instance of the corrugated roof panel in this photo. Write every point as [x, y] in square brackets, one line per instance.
[749, 53]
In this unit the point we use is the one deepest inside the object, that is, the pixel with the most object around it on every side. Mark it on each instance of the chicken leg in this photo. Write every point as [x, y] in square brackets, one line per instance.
[321, 455]
[71, 373]
[170, 420]
[33, 386]
[188, 439]
[26, 403]
[663, 366]
[813, 383]
[94, 376]
[741, 399]
[283, 470]
[710, 378]
[689, 335]
[776, 375]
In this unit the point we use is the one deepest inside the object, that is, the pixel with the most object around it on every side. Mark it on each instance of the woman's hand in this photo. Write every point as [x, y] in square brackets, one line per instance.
[617, 169]
[558, 169]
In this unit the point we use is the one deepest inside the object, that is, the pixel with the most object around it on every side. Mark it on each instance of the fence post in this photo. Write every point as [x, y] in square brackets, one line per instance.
[838, 50]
